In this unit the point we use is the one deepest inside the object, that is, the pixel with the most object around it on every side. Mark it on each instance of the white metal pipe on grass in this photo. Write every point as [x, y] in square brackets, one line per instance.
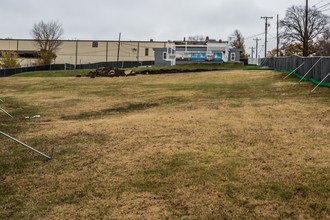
[25, 145]
[320, 82]
[293, 71]
[310, 69]
[6, 112]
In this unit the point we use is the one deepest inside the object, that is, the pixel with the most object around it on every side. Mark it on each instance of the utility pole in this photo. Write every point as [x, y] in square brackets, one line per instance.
[252, 51]
[106, 51]
[118, 49]
[76, 54]
[138, 52]
[306, 31]
[257, 39]
[266, 30]
[277, 38]
[17, 46]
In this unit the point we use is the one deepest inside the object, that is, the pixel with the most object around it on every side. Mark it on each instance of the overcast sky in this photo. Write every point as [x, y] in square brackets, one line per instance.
[146, 19]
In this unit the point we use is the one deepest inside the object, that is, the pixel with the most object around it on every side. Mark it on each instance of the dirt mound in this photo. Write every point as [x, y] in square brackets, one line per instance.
[106, 72]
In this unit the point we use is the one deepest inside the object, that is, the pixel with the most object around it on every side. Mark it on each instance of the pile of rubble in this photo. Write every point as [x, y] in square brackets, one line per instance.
[106, 72]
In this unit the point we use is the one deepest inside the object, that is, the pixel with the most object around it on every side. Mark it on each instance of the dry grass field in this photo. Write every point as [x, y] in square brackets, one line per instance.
[210, 145]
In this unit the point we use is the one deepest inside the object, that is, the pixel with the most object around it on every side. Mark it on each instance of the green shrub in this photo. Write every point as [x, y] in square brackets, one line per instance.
[9, 59]
[46, 57]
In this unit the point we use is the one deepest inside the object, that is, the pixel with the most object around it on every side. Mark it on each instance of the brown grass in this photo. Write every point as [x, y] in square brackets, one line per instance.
[212, 145]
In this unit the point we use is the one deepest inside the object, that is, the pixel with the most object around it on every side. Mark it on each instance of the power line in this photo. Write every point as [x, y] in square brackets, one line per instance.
[253, 36]
[272, 36]
[318, 3]
[323, 6]
[261, 48]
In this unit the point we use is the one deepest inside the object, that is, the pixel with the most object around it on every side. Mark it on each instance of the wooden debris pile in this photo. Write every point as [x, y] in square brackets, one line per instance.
[107, 72]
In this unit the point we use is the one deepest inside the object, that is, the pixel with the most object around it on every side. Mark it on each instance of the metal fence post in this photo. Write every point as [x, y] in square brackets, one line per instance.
[320, 83]
[294, 71]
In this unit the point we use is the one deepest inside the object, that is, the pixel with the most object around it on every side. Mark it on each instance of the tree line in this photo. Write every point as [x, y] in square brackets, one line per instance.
[292, 34]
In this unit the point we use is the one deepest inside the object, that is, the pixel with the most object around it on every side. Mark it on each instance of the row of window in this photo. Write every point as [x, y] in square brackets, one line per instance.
[232, 56]
[95, 44]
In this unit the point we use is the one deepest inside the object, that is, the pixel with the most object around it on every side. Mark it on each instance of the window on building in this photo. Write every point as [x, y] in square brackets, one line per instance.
[27, 54]
[232, 57]
[95, 44]
[164, 55]
[146, 52]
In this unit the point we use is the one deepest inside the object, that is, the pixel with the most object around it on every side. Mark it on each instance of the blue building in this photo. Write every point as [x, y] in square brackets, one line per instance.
[183, 52]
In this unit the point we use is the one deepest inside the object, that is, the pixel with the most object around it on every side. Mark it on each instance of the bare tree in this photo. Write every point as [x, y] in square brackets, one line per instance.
[323, 45]
[47, 37]
[294, 25]
[199, 38]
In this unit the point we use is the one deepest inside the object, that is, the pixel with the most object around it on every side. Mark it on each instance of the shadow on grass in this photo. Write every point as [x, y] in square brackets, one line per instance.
[128, 108]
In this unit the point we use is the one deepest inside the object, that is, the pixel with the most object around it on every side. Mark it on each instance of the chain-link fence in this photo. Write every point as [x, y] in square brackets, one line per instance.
[13, 71]
[67, 66]
[317, 68]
